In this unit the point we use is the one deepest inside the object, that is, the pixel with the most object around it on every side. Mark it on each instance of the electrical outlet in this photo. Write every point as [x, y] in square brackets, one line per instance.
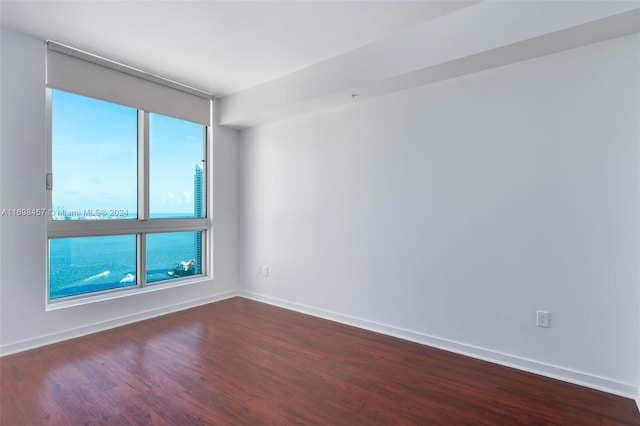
[542, 319]
[263, 271]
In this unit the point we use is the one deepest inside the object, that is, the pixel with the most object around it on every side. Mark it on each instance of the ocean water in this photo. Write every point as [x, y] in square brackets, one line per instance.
[90, 264]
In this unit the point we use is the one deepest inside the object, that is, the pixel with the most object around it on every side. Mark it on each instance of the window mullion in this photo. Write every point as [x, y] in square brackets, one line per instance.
[80, 228]
[142, 260]
[143, 193]
[205, 170]
[143, 165]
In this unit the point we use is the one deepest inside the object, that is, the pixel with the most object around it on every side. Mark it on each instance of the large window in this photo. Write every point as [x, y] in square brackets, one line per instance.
[128, 198]
[126, 179]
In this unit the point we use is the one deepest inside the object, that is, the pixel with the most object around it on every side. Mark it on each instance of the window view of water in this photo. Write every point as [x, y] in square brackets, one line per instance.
[95, 150]
[91, 264]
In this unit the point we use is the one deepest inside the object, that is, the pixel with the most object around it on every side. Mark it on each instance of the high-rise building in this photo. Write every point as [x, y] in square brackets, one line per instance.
[198, 212]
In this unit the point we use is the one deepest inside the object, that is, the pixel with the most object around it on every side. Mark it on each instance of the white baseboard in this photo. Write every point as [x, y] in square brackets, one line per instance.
[555, 372]
[583, 379]
[105, 325]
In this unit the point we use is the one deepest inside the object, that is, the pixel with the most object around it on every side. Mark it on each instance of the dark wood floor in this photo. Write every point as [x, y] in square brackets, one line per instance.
[246, 363]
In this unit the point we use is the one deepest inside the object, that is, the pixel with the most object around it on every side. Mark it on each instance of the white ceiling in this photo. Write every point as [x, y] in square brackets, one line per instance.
[219, 46]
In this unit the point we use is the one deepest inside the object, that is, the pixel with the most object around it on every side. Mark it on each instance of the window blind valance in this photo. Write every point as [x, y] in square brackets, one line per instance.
[85, 74]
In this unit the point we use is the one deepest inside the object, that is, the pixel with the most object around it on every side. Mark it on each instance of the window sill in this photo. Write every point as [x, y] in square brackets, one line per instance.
[52, 305]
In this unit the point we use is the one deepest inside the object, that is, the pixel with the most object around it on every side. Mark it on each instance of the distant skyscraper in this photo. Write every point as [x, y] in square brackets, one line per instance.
[198, 211]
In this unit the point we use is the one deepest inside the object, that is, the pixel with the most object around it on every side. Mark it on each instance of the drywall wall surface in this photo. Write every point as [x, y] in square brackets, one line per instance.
[226, 194]
[24, 322]
[455, 210]
[475, 38]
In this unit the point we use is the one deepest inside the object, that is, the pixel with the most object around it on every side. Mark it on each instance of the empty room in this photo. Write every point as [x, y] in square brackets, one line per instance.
[320, 212]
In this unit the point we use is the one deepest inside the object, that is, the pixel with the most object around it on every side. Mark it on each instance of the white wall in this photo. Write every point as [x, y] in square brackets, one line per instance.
[485, 35]
[449, 213]
[23, 320]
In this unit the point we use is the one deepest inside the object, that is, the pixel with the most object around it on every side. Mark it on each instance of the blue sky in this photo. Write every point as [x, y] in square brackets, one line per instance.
[95, 157]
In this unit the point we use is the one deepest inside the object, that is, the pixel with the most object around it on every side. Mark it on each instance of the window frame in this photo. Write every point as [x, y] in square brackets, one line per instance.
[140, 227]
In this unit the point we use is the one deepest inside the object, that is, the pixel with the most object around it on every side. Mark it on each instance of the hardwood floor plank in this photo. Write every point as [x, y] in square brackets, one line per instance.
[246, 363]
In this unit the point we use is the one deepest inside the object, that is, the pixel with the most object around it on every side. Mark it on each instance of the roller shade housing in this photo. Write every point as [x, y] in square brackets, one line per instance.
[88, 75]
